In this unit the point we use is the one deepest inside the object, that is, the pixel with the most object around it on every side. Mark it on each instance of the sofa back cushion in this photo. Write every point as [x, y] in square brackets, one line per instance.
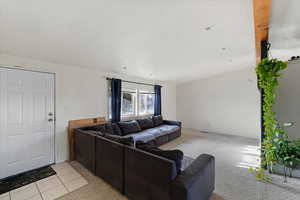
[147, 176]
[99, 127]
[113, 129]
[145, 123]
[110, 128]
[99, 133]
[175, 155]
[157, 120]
[128, 127]
[120, 139]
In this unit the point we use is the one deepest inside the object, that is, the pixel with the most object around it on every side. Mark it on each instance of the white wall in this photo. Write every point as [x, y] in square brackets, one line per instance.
[82, 93]
[284, 29]
[287, 103]
[228, 104]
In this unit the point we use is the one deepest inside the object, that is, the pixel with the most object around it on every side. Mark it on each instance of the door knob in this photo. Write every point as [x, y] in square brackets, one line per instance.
[50, 120]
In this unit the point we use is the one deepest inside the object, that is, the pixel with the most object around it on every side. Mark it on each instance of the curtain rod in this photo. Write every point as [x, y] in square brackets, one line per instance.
[139, 83]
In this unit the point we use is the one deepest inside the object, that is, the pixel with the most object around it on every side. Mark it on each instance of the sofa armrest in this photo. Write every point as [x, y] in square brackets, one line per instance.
[197, 182]
[169, 122]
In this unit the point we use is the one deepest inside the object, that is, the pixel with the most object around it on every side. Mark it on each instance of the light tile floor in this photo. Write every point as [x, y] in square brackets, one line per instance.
[5, 196]
[65, 181]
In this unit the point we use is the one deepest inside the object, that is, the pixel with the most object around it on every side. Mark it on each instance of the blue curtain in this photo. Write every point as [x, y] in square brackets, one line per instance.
[116, 86]
[157, 100]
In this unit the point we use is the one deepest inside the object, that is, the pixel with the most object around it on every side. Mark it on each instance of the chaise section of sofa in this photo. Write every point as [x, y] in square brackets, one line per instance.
[197, 182]
[158, 178]
[147, 176]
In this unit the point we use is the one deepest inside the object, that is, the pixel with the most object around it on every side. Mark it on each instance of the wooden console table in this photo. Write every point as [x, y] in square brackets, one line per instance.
[73, 124]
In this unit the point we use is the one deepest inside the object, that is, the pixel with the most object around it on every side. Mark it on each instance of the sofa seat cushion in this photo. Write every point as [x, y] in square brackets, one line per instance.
[156, 132]
[143, 136]
[168, 128]
[162, 130]
[128, 127]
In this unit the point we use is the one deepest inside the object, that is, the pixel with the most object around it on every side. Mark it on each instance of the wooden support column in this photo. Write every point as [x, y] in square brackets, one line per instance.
[262, 11]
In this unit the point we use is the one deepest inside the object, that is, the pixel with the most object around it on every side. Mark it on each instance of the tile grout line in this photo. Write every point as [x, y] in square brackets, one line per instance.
[39, 190]
[61, 180]
[63, 184]
[35, 183]
[80, 176]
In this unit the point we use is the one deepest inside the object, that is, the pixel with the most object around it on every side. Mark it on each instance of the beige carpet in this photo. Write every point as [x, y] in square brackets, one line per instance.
[234, 155]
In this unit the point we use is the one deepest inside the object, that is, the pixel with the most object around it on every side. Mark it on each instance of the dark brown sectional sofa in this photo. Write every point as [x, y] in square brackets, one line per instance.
[134, 165]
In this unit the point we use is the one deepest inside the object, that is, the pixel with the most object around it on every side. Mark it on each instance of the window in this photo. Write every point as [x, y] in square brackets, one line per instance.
[128, 106]
[135, 103]
[109, 103]
[146, 103]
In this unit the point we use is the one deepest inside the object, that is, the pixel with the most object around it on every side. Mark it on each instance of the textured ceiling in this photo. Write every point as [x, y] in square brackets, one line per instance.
[285, 29]
[168, 40]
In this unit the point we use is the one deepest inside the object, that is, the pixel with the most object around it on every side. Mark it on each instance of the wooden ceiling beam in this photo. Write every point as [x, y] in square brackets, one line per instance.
[262, 12]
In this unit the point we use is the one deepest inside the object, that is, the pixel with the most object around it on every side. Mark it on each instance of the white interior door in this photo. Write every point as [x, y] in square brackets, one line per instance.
[26, 121]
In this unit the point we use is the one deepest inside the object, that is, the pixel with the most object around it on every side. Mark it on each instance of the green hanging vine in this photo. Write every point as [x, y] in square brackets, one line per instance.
[276, 146]
[268, 72]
